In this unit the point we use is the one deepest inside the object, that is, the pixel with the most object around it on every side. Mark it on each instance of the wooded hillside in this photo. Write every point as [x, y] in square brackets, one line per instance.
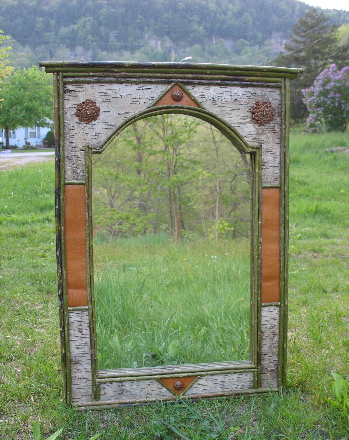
[236, 31]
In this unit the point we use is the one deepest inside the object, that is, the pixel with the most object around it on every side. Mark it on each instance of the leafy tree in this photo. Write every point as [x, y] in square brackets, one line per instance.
[343, 34]
[5, 70]
[328, 100]
[27, 100]
[313, 46]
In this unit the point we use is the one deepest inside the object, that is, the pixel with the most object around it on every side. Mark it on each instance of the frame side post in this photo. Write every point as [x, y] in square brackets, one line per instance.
[284, 230]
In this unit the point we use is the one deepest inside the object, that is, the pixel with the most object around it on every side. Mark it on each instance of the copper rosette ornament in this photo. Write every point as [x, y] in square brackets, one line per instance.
[262, 113]
[87, 111]
[177, 95]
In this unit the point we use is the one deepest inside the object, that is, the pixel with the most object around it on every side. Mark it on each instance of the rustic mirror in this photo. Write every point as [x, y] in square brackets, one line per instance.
[171, 202]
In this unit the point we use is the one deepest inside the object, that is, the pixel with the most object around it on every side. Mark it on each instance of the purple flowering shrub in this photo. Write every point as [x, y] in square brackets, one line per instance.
[327, 100]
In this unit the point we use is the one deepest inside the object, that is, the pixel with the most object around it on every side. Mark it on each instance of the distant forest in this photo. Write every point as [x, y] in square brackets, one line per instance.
[233, 31]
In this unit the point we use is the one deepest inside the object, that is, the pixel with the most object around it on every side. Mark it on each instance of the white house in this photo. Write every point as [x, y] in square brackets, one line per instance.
[33, 136]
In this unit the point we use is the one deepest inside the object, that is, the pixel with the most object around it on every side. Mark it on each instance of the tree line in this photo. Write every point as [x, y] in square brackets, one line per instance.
[150, 30]
[185, 21]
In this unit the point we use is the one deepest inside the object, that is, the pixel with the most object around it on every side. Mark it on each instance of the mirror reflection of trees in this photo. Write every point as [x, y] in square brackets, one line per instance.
[171, 219]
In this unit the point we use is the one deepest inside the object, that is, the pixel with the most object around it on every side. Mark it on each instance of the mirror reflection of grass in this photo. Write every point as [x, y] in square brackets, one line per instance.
[159, 302]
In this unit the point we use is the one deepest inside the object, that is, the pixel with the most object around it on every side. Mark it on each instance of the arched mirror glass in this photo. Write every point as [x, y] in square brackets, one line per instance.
[171, 214]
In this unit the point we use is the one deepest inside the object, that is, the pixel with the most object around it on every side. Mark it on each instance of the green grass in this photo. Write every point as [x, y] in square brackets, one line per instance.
[319, 261]
[30, 383]
[159, 302]
[32, 150]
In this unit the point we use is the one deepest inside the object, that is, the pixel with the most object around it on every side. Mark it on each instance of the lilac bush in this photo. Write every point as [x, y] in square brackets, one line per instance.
[327, 100]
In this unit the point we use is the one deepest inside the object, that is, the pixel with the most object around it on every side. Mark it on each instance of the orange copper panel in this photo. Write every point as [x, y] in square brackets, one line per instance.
[177, 96]
[75, 245]
[178, 385]
[270, 245]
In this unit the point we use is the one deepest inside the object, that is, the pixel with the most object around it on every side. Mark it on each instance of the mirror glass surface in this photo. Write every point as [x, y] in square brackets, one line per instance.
[171, 213]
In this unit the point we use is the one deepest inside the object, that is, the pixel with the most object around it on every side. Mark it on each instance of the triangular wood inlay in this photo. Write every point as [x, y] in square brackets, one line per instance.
[177, 385]
[177, 96]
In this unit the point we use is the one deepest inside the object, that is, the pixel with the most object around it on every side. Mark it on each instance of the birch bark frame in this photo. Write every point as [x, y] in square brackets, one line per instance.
[250, 105]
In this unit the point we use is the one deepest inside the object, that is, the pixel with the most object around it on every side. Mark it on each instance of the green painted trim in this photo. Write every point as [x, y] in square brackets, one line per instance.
[284, 232]
[168, 376]
[60, 168]
[258, 275]
[116, 403]
[90, 76]
[220, 81]
[211, 369]
[79, 308]
[58, 207]
[276, 304]
[256, 252]
[233, 135]
[73, 182]
[90, 274]
[150, 69]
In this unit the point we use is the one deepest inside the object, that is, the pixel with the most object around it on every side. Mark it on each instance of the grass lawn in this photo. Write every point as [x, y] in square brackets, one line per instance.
[31, 150]
[30, 382]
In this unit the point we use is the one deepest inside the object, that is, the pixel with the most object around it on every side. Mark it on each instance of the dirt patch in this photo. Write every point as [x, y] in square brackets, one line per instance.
[8, 163]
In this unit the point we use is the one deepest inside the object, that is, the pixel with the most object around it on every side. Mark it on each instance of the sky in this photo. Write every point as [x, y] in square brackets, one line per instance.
[329, 4]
